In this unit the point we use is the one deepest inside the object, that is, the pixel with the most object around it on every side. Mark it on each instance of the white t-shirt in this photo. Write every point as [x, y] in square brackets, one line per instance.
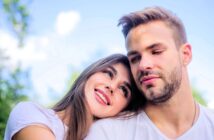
[27, 113]
[141, 127]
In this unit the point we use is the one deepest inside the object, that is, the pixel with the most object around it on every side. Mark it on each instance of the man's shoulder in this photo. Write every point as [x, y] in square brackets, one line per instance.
[111, 124]
[207, 112]
[118, 120]
[119, 128]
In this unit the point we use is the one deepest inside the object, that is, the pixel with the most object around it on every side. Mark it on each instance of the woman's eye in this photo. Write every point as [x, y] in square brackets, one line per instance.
[109, 73]
[125, 91]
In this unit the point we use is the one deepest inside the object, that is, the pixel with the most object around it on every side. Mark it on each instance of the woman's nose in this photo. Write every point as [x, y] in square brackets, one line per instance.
[109, 89]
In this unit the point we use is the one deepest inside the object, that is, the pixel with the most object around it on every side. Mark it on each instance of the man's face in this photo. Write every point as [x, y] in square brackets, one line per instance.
[155, 61]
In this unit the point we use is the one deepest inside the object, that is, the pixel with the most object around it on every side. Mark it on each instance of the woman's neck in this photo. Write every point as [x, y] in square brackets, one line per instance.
[64, 116]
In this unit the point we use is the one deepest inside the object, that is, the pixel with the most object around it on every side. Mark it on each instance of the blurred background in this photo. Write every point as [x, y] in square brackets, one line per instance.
[45, 44]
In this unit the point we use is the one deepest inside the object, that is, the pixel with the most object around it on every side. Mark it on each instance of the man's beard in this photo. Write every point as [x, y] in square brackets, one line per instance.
[170, 87]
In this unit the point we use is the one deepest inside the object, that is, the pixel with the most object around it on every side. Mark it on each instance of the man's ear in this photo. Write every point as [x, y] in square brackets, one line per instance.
[186, 52]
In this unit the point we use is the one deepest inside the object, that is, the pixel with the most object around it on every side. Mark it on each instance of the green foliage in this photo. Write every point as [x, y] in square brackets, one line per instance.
[10, 94]
[74, 76]
[198, 97]
[18, 18]
[11, 79]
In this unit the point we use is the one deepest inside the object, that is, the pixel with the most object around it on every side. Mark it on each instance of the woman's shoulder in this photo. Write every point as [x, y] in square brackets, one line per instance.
[28, 109]
[25, 105]
[28, 112]
[27, 115]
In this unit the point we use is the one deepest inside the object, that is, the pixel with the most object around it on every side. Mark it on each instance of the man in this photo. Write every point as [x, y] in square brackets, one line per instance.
[159, 55]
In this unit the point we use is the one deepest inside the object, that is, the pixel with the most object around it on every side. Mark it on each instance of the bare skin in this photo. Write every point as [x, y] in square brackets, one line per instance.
[34, 132]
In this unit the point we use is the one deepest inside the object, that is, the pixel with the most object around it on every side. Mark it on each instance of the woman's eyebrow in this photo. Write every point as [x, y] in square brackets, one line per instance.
[128, 85]
[113, 69]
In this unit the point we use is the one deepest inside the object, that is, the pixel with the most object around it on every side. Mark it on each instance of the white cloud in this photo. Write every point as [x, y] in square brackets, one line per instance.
[211, 104]
[44, 41]
[26, 55]
[66, 22]
[115, 48]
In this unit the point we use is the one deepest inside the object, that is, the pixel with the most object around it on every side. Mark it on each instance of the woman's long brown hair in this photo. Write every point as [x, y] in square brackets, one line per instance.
[75, 104]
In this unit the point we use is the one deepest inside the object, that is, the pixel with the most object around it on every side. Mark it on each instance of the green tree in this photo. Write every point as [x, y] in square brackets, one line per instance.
[10, 94]
[74, 76]
[12, 86]
[198, 97]
[17, 17]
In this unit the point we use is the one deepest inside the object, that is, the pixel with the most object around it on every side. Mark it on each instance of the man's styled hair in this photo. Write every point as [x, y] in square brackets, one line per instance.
[151, 14]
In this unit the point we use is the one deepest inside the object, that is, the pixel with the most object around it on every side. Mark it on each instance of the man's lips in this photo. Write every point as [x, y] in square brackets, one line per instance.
[148, 79]
[102, 97]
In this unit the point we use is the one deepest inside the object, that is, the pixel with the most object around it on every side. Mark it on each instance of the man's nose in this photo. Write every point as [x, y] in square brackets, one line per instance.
[145, 63]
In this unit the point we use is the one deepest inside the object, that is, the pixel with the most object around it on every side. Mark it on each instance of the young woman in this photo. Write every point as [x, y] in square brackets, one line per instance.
[104, 89]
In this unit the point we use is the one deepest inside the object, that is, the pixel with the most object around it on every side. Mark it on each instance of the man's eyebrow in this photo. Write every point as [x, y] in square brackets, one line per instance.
[131, 53]
[154, 46]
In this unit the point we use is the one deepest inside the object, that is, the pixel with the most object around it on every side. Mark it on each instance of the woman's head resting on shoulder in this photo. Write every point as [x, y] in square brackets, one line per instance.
[103, 89]
[106, 87]
[108, 90]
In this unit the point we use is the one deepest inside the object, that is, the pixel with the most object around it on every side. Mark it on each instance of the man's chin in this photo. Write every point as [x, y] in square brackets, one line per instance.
[158, 99]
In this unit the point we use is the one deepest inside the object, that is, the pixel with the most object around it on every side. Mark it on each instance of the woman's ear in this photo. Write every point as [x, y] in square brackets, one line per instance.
[186, 52]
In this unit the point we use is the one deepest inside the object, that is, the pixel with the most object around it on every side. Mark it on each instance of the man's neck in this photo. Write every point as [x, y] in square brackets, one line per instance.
[174, 117]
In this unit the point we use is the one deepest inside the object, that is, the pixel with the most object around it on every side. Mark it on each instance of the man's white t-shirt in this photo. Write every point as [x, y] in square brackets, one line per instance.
[27, 113]
[141, 127]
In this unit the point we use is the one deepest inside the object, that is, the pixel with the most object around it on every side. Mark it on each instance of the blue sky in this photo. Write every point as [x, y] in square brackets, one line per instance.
[66, 36]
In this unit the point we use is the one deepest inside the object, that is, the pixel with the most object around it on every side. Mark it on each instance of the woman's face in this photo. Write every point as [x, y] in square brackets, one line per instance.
[108, 92]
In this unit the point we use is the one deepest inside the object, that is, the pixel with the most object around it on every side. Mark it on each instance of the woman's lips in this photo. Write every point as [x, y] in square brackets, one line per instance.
[101, 97]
